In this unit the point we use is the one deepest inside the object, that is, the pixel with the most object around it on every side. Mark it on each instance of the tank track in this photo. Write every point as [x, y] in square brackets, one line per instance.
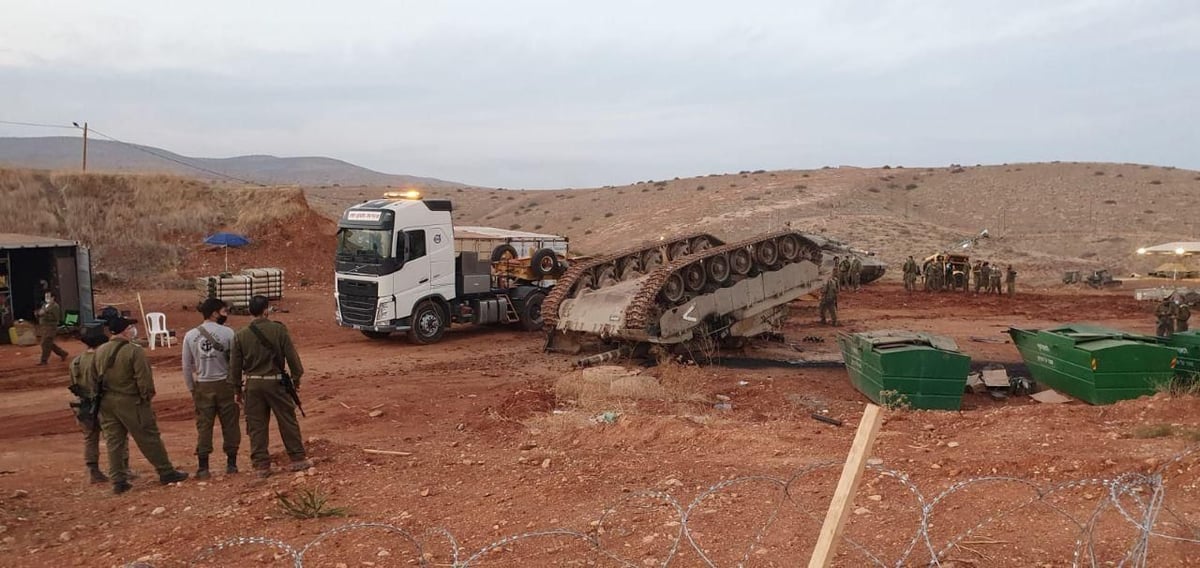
[650, 300]
[586, 273]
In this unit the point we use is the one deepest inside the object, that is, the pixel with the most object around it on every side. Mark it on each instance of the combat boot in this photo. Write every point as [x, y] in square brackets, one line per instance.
[95, 474]
[300, 465]
[122, 486]
[231, 464]
[172, 477]
[202, 468]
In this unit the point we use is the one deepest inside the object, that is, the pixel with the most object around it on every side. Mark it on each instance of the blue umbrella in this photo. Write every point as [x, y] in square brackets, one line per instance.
[227, 240]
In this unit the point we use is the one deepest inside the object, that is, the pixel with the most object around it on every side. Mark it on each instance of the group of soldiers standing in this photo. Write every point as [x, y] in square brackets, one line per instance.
[847, 272]
[940, 274]
[1172, 317]
[224, 370]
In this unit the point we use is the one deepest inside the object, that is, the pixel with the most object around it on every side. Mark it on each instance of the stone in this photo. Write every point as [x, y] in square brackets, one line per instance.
[20, 494]
[375, 413]
[875, 497]
[546, 463]
[64, 537]
[952, 444]
[158, 511]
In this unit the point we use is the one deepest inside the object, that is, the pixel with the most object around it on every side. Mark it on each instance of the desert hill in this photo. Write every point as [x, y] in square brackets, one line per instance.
[1044, 218]
[64, 153]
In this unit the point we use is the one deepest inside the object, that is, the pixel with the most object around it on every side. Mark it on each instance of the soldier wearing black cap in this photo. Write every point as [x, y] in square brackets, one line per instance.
[126, 384]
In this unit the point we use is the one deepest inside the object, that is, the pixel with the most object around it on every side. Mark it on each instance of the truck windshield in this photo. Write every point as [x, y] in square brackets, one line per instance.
[366, 245]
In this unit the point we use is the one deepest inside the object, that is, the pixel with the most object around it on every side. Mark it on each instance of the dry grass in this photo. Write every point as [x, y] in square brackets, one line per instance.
[1152, 431]
[138, 226]
[613, 388]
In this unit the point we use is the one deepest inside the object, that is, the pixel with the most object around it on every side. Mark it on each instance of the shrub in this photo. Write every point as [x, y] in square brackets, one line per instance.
[1155, 182]
[308, 504]
[752, 198]
[1098, 173]
[1152, 431]
[1110, 201]
[699, 188]
[607, 215]
[910, 186]
[514, 226]
[576, 218]
[873, 189]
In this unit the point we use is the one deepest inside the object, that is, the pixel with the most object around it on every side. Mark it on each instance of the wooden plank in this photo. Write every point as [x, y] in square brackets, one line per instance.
[843, 496]
[386, 452]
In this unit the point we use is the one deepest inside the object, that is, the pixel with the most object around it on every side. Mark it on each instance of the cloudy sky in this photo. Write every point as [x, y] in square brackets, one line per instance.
[576, 93]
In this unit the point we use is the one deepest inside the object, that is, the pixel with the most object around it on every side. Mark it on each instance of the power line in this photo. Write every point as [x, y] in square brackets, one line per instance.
[176, 160]
[37, 124]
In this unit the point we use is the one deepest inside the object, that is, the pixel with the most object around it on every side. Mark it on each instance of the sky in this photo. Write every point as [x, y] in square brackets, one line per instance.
[556, 94]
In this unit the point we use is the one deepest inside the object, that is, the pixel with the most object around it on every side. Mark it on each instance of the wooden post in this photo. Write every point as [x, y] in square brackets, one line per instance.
[843, 496]
[142, 313]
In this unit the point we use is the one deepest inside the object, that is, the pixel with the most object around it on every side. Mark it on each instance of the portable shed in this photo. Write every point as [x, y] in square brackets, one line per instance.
[29, 265]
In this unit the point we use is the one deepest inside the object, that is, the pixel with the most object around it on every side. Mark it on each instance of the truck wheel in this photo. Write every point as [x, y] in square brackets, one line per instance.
[428, 324]
[531, 312]
[544, 262]
[504, 252]
[377, 335]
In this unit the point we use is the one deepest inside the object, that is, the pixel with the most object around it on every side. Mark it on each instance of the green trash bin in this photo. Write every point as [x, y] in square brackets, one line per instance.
[1095, 364]
[1187, 349]
[896, 368]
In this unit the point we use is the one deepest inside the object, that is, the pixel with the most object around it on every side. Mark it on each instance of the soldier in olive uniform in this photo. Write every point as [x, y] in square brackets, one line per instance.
[829, 296]
[856, 273]
[49, 316]
[1182, 314]
[910, 274]
[1010, 281]
[845, 272]
[126, 392]
[85, 389]
[994, 283]
[255, 371]
[1165, 312]
[981, 275]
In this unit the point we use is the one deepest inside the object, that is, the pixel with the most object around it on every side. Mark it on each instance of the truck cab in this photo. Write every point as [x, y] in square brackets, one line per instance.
[399, 267]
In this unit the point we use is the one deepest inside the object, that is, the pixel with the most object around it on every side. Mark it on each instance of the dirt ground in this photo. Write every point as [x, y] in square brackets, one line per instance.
[500, 442]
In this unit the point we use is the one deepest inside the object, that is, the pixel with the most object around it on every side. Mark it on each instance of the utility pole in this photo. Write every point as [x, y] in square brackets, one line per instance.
[85, 132]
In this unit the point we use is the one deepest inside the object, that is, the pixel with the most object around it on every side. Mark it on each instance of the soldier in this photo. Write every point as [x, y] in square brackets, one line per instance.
[979, 273]
[126, 389]
[1182, 313]
[939, 274]
[829, 296]
[206, 351]
[910, 274]
[927, 275]
[49, 316]
[856, 273]
[85, 392]
[994, 283]
[1165, 312]
[258, 355]
[1010, 280]
[845, 272]
[837, 269]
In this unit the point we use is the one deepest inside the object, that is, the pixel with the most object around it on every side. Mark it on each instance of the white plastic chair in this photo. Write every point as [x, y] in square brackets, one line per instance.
[156, 325]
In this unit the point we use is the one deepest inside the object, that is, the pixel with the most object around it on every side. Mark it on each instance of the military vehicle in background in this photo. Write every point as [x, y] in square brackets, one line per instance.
[691, 289]
[954, 261]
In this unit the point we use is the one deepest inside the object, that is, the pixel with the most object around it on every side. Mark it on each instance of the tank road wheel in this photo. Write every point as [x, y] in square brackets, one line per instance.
[694, 277]
[700, 243]
[376, 335]
[428, 324]
[503, 252]
[718, 269]
[679, 250]
[766, 253]
[544, 262]
[741, 261]
[531, 312]
[651, 259]
[587, 281]
[631, 268]
[673, 288]
[606, 276]
[789, 248]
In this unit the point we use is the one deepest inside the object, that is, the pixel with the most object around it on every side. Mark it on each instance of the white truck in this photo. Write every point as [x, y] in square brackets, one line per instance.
[402, 265]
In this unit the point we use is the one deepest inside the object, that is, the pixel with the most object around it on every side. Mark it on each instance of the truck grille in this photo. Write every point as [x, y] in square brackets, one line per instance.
[357, 300]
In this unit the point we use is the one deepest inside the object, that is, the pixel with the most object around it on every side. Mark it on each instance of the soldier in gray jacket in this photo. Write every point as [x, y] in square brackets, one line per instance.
[206, 351]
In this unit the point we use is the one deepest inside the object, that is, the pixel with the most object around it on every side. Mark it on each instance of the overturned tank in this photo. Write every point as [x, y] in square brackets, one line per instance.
[684, 288]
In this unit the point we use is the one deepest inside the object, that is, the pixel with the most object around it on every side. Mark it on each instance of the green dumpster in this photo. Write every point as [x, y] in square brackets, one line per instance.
[1095, 364]
[893, 367]
[1187, 348]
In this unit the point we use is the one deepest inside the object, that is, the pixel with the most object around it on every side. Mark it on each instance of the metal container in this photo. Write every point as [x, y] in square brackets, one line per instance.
[1187, 349]
[897, 368]
[1095, 364]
